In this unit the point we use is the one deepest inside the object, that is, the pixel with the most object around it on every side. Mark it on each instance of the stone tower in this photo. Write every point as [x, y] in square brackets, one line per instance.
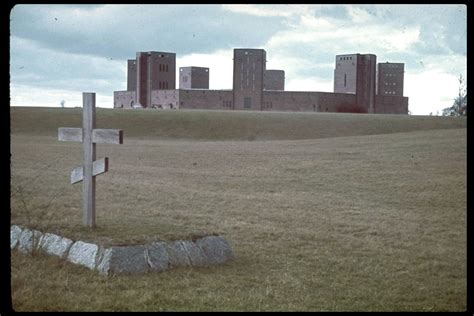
[131, 75]
[390, 79]
[355, 73]
[155, 71]
[248, 78]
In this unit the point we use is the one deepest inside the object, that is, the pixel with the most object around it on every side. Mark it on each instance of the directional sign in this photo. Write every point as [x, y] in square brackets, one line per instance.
[99, 136]
[89, 136]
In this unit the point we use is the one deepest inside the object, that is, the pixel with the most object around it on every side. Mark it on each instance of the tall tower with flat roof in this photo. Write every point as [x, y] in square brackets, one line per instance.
[355, 73]
[131, 75]
[248, 78]
[390, 78]
[155, 71]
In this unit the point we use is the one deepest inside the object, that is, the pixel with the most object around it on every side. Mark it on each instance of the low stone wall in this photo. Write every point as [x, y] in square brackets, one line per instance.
[155, 256]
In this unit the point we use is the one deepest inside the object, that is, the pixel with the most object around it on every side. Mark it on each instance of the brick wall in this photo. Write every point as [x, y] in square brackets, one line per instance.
[305, 101]
[165, 99]
[131, 75]
[248, 75]
[124, 99]
[205, 99]
[391, 104]
[193, 78]
[274, 80]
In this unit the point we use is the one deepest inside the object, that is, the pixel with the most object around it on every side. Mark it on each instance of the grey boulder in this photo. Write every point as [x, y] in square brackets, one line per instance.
[55, 245]
[83, 254]
[15, 232]
[216, 248]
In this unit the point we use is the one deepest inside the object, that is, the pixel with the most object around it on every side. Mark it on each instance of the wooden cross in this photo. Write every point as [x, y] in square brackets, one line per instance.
[89, 136]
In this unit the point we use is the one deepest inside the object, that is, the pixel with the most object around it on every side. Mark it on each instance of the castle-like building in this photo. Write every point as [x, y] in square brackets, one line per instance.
[360, 85]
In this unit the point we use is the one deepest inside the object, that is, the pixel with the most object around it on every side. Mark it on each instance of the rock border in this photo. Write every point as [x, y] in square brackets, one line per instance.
[155, 256]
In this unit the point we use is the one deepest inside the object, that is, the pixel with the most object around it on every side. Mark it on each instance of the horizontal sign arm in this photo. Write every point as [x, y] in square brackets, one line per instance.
[99, 136]
[98, 167]
[70, 134]
[107, 136]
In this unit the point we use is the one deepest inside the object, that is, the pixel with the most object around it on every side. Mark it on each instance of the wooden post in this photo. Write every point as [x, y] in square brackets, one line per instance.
[88, 183]
[89, 136]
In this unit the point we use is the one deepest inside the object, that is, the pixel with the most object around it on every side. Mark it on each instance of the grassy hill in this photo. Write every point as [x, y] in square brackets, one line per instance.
[226, 125]
[338, 212]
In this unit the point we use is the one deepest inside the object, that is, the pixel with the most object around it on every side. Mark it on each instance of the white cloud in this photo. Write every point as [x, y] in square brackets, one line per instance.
[395, 40]
[219, 62]
[291, 64]
[309, 84]
[22, 95]
[358, 15]
[430, 91]
[452, 64]
[328, 33]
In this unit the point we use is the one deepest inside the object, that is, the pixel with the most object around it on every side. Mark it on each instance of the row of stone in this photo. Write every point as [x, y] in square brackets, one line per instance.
[156, 256]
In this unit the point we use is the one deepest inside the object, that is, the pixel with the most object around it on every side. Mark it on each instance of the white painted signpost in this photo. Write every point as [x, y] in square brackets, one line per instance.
[89, 136]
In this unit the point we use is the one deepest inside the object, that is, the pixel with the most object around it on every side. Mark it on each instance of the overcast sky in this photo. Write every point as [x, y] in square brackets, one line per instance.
[59, 51]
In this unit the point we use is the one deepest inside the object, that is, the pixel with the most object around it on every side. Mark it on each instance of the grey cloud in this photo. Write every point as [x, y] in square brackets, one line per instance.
[442, 27]
[335, 11]
[35, 66]
[120, 31]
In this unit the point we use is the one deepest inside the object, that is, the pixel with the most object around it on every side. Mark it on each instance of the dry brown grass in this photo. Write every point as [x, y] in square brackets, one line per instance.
[358, 223]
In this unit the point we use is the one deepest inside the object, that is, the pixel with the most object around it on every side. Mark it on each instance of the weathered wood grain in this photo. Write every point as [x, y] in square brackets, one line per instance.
[99, 166]
[99, 135]
[70, 134]
[88, 183]
[107, 136]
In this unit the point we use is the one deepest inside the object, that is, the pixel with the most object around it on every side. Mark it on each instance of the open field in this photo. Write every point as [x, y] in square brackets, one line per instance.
[325, 212]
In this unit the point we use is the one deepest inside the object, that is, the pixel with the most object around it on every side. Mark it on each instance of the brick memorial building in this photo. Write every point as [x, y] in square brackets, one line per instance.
[360, 85]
